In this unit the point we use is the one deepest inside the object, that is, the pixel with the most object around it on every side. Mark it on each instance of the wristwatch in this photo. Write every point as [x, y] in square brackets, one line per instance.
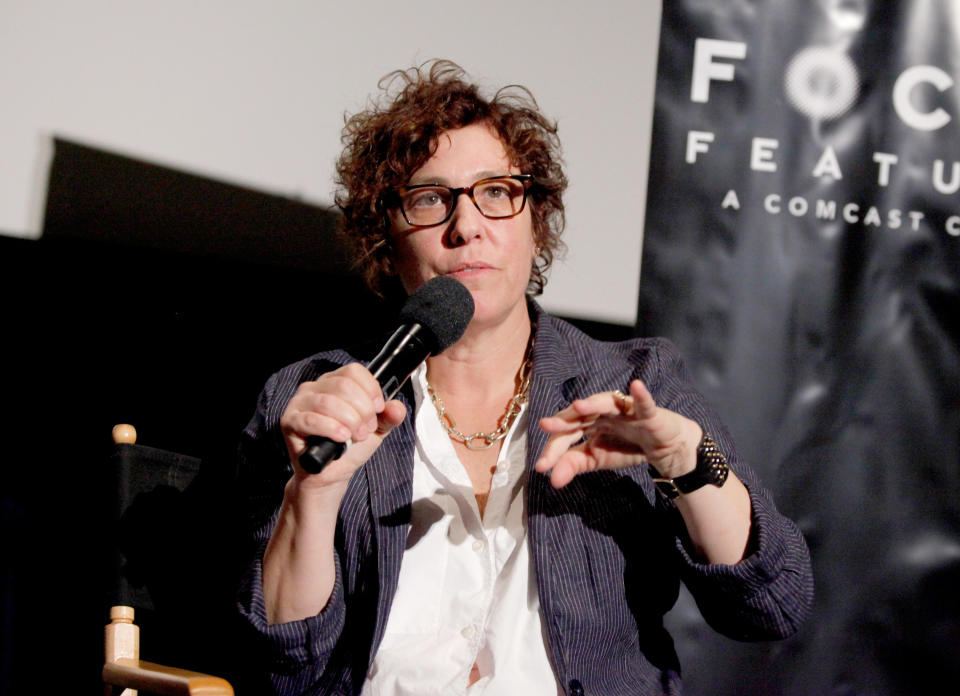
[711, 468]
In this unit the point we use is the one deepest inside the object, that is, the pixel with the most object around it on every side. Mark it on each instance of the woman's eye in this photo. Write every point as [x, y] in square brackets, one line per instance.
[496, 191]
[424, 199]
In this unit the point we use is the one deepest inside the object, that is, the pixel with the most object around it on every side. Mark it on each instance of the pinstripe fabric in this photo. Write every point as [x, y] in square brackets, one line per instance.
[608, 553]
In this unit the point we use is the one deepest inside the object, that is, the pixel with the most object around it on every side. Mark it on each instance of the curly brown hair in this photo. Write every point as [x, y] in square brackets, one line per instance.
[385, 144]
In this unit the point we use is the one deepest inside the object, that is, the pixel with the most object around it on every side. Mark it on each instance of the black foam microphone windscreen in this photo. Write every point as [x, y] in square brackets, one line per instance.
[433, 318]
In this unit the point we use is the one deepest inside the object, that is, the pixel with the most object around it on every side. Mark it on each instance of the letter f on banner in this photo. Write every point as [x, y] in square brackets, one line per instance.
[704, 69]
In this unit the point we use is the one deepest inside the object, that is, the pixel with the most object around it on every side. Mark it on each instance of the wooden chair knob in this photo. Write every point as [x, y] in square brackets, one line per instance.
[124, 433]
[121, 614]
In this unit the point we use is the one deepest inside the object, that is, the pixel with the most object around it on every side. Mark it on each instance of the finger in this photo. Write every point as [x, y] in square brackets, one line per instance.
[556, 447]
[361, 376]
[306, 423]
[559, 425]
[354, 384]
[330, 415]
[572, 463]
[580, 413]
[599, 404]
[350, 395]
[393, 415]
[359, 451]
[336, 406]
[643, 404]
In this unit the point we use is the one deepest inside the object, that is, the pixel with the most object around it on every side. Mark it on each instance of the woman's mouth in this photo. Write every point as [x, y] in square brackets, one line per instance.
[468, 269]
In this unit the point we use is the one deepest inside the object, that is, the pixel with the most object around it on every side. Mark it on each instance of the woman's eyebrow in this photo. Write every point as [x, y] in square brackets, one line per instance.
[444, 181]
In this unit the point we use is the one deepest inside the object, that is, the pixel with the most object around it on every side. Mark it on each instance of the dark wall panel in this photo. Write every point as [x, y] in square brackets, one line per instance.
[803, 251]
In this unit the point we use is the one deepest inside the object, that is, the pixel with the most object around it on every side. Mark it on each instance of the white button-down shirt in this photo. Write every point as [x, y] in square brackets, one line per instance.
[466, 593]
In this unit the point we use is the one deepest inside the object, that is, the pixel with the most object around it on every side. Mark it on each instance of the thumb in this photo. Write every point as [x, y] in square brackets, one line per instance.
[393, 414]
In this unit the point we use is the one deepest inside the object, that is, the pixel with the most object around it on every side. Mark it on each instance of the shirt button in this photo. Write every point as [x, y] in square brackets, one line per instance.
[576, 688]
[478, 546]
[469, 632]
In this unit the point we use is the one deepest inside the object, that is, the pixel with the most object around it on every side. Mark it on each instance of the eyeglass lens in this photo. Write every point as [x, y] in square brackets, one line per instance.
[494, 198]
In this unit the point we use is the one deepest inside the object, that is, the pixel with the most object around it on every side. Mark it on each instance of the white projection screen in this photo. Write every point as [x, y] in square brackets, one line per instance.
[253, 93]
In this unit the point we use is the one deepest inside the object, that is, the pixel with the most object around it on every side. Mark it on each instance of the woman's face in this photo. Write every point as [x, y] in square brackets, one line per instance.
[492, 258]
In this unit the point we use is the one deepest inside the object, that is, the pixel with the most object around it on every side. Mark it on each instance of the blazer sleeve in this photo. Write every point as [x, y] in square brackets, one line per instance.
[293, 654]
[769, 594]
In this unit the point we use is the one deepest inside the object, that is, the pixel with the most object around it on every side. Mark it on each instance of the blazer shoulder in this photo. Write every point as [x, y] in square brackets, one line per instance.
[636, 351]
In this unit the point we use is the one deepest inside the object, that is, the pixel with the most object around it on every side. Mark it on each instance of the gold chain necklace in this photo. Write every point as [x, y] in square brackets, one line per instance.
[514, 407]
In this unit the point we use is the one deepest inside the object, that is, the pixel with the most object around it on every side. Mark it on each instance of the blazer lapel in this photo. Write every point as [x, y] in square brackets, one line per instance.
[390, 483]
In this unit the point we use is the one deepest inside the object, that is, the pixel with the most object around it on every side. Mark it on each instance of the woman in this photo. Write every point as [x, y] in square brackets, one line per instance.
[495, 529]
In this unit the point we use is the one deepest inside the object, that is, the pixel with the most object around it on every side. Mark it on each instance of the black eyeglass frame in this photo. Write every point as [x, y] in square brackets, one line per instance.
[455, 193]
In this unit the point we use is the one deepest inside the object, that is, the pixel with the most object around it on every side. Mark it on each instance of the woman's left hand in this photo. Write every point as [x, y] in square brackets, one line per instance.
[629, 430]
[610, 430]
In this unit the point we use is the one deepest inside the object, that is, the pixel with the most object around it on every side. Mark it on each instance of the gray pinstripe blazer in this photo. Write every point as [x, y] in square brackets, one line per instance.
[608, 553]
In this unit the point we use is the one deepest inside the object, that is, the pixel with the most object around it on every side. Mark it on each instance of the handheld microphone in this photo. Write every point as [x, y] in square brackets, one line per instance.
[433, 318]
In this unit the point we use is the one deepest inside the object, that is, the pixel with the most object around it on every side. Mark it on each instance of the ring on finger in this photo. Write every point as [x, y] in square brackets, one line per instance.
[624, 402]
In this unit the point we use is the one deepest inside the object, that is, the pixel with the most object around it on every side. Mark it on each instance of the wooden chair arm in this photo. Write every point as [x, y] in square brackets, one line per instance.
[166, 681]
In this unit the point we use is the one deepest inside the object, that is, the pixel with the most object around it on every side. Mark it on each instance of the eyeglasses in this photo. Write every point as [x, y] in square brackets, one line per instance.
[499, 197]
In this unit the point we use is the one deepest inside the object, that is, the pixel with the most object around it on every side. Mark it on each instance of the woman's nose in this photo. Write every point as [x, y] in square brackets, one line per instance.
[467, 222]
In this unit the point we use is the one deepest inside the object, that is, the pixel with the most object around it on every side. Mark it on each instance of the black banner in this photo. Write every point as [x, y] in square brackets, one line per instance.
[802, 248]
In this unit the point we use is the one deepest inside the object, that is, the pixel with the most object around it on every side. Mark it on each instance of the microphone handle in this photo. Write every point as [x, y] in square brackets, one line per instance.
[320, 452]
[408, 347]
